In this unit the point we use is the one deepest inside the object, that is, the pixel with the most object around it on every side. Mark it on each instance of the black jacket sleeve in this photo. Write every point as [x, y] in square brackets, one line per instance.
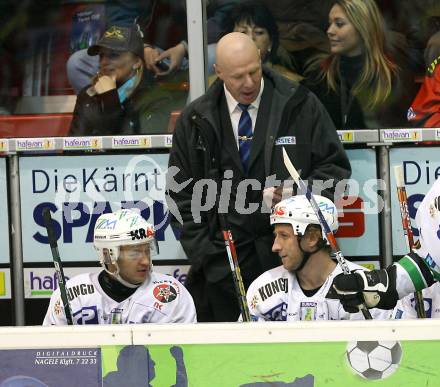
[101, 114]
[184, 171]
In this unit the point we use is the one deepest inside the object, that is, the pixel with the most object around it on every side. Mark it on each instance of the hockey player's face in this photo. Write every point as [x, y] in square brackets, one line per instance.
[134, 263]
[286, 245]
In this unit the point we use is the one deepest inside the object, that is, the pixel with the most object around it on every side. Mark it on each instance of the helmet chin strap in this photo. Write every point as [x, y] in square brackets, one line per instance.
[118, 277]
[306, 254]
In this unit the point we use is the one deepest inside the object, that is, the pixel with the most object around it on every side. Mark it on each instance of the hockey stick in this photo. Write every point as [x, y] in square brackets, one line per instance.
[406, 223]
[57, 263]
[235, 268]
[328, 232]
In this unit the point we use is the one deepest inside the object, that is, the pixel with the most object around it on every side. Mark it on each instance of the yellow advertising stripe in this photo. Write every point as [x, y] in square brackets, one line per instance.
[2, 284]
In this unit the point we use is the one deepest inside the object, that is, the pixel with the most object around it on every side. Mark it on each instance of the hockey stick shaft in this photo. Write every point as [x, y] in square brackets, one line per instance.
[48, 222]
[407, 230]
[328, 232]
[235, 269]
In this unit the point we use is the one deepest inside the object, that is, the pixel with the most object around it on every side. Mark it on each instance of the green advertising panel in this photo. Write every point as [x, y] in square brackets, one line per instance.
[388, 364]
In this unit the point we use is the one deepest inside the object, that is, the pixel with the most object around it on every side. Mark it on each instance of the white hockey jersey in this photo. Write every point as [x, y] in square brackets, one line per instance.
[160, 299]
[405, 308]
[276, 296]
[409, 276]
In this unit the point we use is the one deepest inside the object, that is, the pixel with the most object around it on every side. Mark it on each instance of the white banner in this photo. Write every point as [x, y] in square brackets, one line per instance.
[421, 167]
[77, 189]
[358, 233]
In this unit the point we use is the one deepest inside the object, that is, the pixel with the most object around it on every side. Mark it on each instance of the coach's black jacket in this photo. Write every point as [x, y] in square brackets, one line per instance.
[204, 147]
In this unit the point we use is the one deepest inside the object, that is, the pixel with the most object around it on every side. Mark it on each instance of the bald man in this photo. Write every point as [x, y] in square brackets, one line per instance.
[239, 67]
[227, 149]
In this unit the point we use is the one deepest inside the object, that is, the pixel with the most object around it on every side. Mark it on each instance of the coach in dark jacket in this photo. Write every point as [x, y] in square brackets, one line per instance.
[207, 144]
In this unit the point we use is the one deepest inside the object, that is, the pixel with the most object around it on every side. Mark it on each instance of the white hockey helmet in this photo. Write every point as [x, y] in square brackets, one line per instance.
[428, 223]
[122, 228]
[298, 212]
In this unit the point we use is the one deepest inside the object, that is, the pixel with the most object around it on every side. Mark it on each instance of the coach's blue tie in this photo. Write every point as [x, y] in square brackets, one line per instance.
[244, 135]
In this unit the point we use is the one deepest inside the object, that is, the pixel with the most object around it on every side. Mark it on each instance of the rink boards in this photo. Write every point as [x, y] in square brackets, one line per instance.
[246, 354]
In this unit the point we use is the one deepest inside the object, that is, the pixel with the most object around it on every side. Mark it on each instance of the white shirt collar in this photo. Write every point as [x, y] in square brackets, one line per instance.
[232, 102]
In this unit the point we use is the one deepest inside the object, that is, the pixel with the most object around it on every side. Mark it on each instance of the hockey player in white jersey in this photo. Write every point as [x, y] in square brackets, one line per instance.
[127, 290]
[297, 289]
[415, 271]
[406, 308]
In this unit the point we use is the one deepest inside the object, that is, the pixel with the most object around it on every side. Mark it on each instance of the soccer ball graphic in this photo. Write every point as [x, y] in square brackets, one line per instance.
[374, 359]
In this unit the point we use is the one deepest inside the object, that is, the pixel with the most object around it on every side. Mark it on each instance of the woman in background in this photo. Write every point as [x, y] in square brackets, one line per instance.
[255, 20]
[363, 82]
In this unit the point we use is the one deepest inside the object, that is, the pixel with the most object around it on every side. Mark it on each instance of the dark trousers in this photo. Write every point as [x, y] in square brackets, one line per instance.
[215, 302]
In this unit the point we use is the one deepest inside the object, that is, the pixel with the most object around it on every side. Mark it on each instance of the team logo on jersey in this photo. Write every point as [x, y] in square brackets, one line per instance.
[308, 311]
[164, 293]
[116, 316]
[254, 302]
[277, 313]
[410, 114]
[57, 309]
[86, 315]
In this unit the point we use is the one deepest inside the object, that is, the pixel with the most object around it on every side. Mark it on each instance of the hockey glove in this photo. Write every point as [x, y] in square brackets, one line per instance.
[375, 289]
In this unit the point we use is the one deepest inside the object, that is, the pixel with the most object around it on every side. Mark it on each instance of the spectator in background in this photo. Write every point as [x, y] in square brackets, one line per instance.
[255, 20]
[124, 13]
[121, 99]
[302, 25]
[363, 82]
[417, 20]
[425, 109]
[234, 132]
[218, 13]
